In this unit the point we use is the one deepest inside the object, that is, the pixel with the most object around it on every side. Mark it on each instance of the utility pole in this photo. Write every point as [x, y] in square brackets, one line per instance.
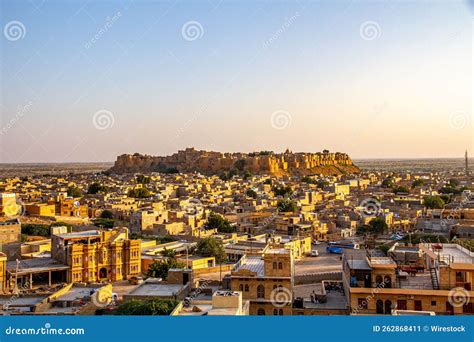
[466, 160]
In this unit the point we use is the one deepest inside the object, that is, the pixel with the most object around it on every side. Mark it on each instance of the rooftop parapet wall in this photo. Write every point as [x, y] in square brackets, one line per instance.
[208, 162]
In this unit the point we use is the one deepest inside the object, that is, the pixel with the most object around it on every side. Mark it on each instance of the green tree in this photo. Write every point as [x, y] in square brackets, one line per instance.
[433, 202]
[107, 214]
[96, 188]
[322, 183]
[378, 225]
[387, 183]
[150, 307]
[453, 183]
[35, 229]
[400, 190]
[159, 269]
[417, 183]
[169, 253]
[283, 191]
[218, 221]
[287, 206]
[251, 193]
[446, 198]
[211, 247]
[139, 193]
[309, 180]
[74, 191]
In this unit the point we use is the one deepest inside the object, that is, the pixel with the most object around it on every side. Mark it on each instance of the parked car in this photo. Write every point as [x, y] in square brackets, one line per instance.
[314, 253]
[335, 250]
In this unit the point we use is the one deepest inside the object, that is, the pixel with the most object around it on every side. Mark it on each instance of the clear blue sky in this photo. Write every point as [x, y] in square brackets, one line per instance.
[405, 91]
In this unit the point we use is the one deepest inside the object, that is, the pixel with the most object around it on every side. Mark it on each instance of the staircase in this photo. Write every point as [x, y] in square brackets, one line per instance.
[434, 278]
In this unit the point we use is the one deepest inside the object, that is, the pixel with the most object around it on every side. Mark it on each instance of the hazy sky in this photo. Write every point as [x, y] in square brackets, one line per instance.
[89, 80]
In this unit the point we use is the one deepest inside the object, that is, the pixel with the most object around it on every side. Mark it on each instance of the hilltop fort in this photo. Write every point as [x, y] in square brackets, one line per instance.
[264, 162]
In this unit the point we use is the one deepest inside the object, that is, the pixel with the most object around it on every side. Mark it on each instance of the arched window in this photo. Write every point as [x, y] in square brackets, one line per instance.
[260, 291]
[246, 288]
[388, 307]
[379, 306]
[280, 312]
[280, 266]
[275, 312]
[388, 282]
[241, 288]
[261, 312]
[274, 265]
[378, 280]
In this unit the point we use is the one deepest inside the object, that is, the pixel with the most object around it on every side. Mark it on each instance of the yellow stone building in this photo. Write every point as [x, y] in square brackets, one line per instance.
[266, 281]
[10, 231]
[41, 210]
[71, 207]
[95, 256]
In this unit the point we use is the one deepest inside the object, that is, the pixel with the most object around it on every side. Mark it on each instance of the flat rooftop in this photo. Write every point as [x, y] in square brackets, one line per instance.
[36, 265]
[76, 293]
[78, 235]
[20, 301]
[334, 300]
[359, 264]
[277, 251]
[420, 281]
[456, 253]
[450, 252]
[253, 263]
[157, 289]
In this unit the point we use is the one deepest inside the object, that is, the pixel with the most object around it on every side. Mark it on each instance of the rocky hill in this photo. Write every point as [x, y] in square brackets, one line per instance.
[208, 162]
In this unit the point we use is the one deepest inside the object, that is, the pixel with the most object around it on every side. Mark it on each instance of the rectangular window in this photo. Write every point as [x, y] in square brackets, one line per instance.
[362, 302]
[468, 308]
[418, 305]
[401, 304]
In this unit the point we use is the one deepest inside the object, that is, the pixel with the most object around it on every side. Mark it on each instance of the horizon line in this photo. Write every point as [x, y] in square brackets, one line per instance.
[353, 159]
